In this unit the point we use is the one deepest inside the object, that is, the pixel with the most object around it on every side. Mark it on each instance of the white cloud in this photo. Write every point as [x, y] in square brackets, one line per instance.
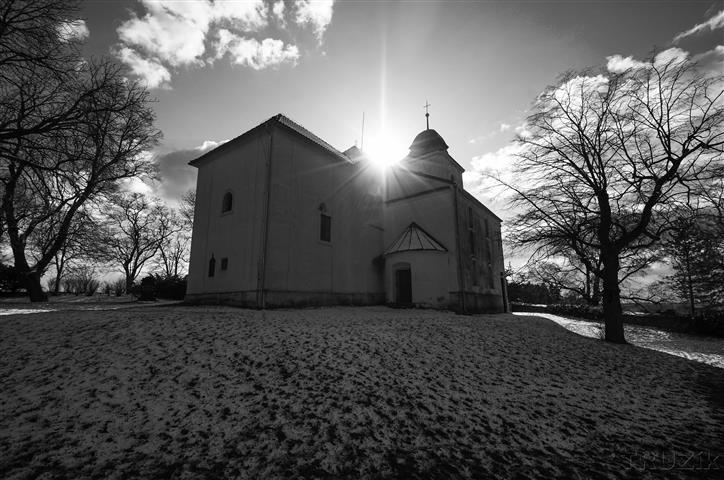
[712, 61]
[504, 127]
[278, 11]
[171, 34]
[74, 30]
[715, 22]
[248, 15]
[136, 184]
[489, 169]
[209, 145]
[253, 53]
[619, 64]
[498, 161]
[153, 73]
[522, 130]
[674, 54]
[317, 13]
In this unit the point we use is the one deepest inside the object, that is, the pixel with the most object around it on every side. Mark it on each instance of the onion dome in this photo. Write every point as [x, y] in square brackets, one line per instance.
[427, 141]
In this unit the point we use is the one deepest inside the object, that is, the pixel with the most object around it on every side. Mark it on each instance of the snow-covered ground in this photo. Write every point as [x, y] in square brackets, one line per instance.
[203, 392]
[693, 347]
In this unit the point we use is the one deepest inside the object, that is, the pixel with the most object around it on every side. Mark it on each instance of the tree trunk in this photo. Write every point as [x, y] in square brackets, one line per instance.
[129, 284]
[35, 289]
[612, 311]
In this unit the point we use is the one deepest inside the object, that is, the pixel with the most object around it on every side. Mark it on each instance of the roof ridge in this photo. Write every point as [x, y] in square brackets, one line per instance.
[288, 122]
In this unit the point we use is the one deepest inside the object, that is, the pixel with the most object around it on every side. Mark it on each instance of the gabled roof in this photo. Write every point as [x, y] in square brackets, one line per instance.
[308, 135]
[285, 122]
[414, 238]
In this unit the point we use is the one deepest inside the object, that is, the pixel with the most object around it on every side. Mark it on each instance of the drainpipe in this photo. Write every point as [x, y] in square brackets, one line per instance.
[461, 279]
[260, 292]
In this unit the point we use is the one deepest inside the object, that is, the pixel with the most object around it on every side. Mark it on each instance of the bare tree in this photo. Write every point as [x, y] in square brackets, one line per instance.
[567, 275]
[70, 129]
[695, 249]
[188, 204]
[608, 157]
[49, 177]
[136, 230]
[174, 250]
[83, 245]
[173, 254]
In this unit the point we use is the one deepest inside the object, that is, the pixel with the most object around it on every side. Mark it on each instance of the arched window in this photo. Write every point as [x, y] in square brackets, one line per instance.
[212, 266]
[227, 202]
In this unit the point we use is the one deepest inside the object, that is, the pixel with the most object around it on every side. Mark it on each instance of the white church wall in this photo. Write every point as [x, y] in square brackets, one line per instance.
[305, 179]
[235, 235]
[429, 287]
[432, 212]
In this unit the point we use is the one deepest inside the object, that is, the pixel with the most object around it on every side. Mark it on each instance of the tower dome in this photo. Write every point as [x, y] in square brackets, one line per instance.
[427, 141]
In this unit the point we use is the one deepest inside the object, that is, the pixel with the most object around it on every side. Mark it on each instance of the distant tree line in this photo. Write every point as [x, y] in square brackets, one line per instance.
[73, 132]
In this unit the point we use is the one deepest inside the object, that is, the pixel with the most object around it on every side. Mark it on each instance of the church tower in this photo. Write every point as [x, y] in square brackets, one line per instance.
[443, 245]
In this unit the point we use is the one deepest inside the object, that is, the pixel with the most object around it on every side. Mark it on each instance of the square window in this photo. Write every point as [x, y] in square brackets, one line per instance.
[325, 230]
[224, 263]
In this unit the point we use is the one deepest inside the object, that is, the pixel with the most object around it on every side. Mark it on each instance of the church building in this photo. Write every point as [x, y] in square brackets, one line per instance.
[283, 219]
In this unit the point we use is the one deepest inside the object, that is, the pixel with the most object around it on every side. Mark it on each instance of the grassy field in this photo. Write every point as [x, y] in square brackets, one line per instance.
[192, 392]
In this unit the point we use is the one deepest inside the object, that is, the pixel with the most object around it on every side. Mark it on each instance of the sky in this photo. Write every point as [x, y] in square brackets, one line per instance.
[219, 68]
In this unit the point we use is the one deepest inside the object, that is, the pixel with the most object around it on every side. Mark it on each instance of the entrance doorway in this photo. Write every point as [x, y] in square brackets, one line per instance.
[403, 286]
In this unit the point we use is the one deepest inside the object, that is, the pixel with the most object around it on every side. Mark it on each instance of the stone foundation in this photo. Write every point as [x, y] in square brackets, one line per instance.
[285, 299]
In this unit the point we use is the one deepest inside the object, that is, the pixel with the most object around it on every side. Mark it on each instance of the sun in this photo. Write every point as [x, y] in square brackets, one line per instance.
[385, 149]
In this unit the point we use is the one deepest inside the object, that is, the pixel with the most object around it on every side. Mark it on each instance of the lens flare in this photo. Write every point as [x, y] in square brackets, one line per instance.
[385, 150]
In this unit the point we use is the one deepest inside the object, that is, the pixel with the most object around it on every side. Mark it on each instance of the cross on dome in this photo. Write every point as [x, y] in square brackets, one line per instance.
[427, 114]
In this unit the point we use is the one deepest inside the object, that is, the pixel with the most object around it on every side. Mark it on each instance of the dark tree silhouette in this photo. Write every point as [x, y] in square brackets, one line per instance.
[82, 244]
[188, 204]
[136, 230]
[567, 275]
[70, 129]
[695, 247]
[173, 252]
[606, 160]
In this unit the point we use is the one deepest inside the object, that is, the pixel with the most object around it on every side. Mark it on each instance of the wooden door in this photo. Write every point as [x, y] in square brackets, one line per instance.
[403, 286]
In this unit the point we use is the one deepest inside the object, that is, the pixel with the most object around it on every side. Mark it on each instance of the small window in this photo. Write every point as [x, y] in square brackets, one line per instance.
[471, 220]
[487, 228]
[212, 266]
[227, 202]
[476, 282]
[325, 230]
[224, 263]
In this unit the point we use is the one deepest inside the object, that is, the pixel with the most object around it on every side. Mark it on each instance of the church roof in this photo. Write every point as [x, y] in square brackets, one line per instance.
[285, 122]
[353, 153]
[427, 141]
[414, 238]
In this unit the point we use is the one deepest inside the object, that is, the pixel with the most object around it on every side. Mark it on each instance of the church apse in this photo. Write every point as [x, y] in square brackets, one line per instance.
[311, 225]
